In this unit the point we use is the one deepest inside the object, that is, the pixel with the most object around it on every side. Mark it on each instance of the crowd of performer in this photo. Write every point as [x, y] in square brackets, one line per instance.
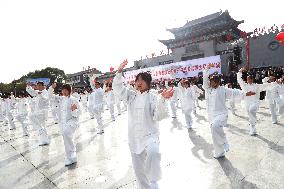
[145, 101]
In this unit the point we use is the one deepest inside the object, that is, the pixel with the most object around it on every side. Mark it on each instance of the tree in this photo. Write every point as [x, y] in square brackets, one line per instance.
[54, 74]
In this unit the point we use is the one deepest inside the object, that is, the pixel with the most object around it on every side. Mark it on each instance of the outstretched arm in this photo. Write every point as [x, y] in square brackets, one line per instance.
[31, 91]
[240, 79]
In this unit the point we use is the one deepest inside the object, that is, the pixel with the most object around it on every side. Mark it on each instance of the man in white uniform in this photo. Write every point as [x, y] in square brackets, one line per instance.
[251, 99]
[145, 109]
[272, 95]
[186, 96]
[54, 103]
[22, 113]
[216, 96]
[69, 121]
[96, 104]
[40, 113]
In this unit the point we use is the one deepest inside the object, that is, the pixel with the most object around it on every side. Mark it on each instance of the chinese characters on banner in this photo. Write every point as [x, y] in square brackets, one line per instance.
[184, 69]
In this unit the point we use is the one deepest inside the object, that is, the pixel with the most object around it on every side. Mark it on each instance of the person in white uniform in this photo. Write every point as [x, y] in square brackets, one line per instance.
[281, 94]
[54, 103]
[272, 95]
[251, 99]
[216, 96]
[22, 113]
[196, 93]
[231, 101]
[69, 121]
[96, 104]
[8, 112]
[145, 109]
[110, 100]
[84, 100]
[174, 99]
[186, 96]
[40, 113]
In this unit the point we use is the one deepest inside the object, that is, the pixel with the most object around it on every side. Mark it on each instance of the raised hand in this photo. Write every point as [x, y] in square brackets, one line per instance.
[73, 107]
[168, 93]
[122, 66]
[242, 69]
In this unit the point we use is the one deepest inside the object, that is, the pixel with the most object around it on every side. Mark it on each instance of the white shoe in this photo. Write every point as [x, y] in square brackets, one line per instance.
[226, 147]
[252, 130]
[222, 155]
[70, 161]
[189, 127]
[44, 143]
[101, 132]
[154, 185]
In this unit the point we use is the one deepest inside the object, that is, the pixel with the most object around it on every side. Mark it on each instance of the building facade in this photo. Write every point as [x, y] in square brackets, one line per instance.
[81, 79]
[213, 35]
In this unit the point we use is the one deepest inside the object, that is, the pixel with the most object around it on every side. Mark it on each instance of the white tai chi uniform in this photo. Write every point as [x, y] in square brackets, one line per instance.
[251, 102]
[231, 102]
[281, 100]
[186, 96]
[8, 113]
[2, 110]
[69, 122]
[96, 105]
[40, 113]
[22, 114]
[110, 100]
[144, 112]
[54, 104]
[84, 101]
[272, 96]
[196, 93]
[218, 113]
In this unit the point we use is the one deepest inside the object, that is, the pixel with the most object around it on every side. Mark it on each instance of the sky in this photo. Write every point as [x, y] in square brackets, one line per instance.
[70, 35]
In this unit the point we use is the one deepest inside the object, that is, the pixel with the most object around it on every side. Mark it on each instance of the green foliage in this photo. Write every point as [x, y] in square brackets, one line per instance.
[20, 84]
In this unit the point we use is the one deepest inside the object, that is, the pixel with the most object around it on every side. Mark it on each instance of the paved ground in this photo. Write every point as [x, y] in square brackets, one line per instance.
[104, 161]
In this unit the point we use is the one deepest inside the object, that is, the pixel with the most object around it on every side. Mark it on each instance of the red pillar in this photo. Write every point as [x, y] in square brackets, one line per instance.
[248, 52]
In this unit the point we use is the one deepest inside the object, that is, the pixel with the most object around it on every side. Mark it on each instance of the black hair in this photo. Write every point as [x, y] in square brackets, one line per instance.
[67, 87]
[145, 76]
[187, 82]
[215, 77]
[40, 83]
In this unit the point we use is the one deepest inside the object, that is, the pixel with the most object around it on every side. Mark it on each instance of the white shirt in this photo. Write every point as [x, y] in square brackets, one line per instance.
[186, 96]
[144, 111]
[66, 114]
[216, 98]
[256, 88]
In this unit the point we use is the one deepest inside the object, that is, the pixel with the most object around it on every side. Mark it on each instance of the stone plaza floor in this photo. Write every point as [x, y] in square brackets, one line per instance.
[104, 161]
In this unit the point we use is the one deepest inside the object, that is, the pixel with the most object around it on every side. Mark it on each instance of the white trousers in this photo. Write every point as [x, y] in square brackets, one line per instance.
[232, 106]
[272, 107]
[111, 110]
[173, 105]
[10, 120]
[68, 130]
[22, 118]
[55, 113]
[118, 108]
[39, 120]
[281, 106]
[188, 118]
[251, 110]
[147, 166]
[218, 134]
